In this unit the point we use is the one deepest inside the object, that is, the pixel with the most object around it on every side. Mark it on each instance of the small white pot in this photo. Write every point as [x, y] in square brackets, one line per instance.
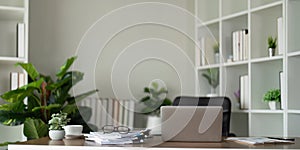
[271, 52]
[272, 105]
[56, 134]
[154, 123]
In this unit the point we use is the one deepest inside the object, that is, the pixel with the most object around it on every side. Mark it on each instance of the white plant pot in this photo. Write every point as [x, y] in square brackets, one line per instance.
[272, 105]
[271, 52]
[56, 134]
[154, 123]
[12, 133]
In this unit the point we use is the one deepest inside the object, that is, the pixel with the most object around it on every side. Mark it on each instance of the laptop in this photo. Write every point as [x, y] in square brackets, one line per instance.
[192, 123]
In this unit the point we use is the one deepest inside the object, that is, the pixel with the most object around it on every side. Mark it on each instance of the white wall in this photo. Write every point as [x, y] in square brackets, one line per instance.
[58, 26]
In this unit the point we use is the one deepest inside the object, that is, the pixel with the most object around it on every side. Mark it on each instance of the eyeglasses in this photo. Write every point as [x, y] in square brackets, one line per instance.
[111, 128]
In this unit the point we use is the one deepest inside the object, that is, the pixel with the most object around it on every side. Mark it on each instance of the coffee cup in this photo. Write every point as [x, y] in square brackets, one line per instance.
[73, 129]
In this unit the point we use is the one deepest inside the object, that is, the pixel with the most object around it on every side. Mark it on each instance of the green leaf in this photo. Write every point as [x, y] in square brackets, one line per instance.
[70, 108]
[35, 128]
[146, 90]
[49, 107]
[65, 67]
[145, 99]
[30, 69]
[155, 85]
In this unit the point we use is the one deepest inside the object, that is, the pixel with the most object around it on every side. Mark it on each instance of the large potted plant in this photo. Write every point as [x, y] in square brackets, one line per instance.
[154, 99]
[212, 76]
[43, 97]
[57, 122]
[273, 98]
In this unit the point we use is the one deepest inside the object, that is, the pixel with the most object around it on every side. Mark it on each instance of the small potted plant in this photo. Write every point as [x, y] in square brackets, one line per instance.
[155, 98]
[272, 44]
[57, 122]
[272, 97]
[216, 52]
[212, 76]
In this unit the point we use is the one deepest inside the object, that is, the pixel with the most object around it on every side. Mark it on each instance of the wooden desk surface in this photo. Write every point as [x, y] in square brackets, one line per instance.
[153, 143]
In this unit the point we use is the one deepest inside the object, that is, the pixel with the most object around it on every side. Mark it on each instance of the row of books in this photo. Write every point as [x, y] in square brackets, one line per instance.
[17, 80]
[110, 111]
[240, 45]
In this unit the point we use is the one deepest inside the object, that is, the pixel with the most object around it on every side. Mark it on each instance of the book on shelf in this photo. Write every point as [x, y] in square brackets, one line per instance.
[17, 80]
[206, 51]
[21, 40]
[240, 45]
[282, 90]
[244, 89]
[280, 35]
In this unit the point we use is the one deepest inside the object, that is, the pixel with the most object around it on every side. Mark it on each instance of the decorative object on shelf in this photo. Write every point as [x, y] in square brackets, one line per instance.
[57, 123]
[217, 53]
[75, 130]
[212, 76]
[272, 44]
[44, 98]
[237, 95]
[156, 97]
[273, 98]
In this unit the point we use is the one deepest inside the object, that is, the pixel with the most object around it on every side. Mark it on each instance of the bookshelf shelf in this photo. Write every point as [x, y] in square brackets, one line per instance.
[260, 18]
[278, 3]
[12, 59]
[265, 59]
[266, 111]
[229, 64]
[292, 54]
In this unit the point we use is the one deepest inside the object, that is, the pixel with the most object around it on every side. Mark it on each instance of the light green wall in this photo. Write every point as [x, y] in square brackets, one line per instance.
[57, 27]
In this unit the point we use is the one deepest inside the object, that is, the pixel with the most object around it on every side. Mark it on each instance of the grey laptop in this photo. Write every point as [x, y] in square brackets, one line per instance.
[192, 123]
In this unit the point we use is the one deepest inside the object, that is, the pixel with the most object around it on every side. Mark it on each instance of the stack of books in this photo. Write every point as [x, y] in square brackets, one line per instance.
[240, 45]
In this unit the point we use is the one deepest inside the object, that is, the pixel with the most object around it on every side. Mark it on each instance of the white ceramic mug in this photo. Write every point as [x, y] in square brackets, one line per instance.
[73, 129]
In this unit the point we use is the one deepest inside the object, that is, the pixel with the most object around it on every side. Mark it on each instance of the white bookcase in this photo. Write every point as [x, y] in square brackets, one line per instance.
[222, 17]
[12, 12]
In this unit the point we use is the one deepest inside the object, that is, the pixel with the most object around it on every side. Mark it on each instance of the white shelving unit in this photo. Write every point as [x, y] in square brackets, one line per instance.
[223, 17]
[12, 12]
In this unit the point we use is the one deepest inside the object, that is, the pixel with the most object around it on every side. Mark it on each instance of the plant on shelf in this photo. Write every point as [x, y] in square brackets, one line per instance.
[216, 52]
[212, 76]
[155, 98]
[57, 122]
[272, 97]
[272, 44]
[43, 97]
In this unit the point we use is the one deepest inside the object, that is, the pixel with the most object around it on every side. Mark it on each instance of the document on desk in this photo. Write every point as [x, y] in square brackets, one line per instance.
[257, 140]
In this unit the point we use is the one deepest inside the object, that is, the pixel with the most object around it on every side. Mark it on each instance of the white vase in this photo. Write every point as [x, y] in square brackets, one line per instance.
[12, 133]
[56, 134]
[272, 105]
[154, 123]
[271, 52]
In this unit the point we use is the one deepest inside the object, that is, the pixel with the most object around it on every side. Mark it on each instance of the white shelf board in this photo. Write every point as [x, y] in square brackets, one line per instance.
[208, 66]
[228, 64]
[265, 59]
[240, 111]
[12, 59]
[242, 13]
[8, 13]
[209, 22]
[291, 54]
[294, 111]
[266, 111]
[266, 6]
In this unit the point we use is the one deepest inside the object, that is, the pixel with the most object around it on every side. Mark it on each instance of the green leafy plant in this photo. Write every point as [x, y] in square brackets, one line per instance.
[272, 95]
[272, 42]
[216, 48]
[58, 121]
[212, 76]
[156, 97]
[44, 97]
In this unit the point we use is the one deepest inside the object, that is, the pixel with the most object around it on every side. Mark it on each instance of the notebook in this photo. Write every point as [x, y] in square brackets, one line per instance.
[192, 123]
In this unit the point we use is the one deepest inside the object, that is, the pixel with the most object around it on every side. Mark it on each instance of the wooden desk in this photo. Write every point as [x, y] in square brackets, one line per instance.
[152, 143]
